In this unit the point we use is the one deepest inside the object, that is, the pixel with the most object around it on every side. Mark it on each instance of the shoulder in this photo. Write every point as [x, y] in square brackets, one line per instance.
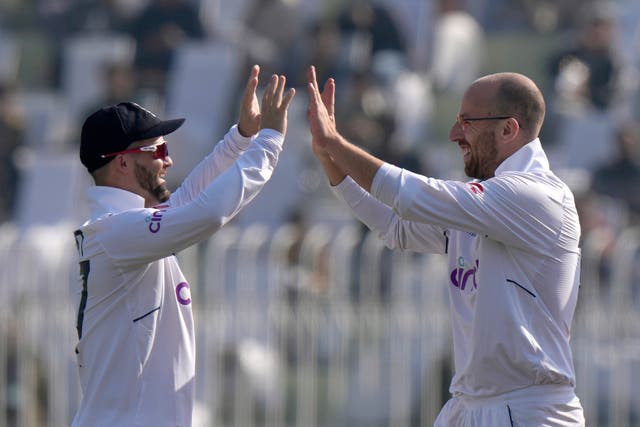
[527, 189]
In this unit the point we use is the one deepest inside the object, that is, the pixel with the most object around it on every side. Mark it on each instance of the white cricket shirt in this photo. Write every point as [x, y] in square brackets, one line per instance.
[136, 353]
[513, 257]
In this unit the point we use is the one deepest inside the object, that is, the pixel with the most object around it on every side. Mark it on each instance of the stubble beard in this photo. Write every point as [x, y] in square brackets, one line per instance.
[149, 182]
[483, 158]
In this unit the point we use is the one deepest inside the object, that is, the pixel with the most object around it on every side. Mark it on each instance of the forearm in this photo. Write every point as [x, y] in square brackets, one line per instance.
[331, 169]
[353, 161]
[223, 155]
[380, 218]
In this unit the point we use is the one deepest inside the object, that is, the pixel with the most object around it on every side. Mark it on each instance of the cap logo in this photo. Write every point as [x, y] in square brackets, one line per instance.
[144, 109]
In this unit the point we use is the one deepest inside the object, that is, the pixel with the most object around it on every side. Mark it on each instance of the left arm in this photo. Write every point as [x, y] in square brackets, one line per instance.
[348, 158]
[517, 209]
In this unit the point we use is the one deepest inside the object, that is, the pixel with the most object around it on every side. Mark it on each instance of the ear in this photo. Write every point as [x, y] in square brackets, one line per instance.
[122, 165]
[510, 130]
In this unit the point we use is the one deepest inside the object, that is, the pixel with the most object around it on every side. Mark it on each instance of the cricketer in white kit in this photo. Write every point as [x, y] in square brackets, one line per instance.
[136, 350]
[512, 242]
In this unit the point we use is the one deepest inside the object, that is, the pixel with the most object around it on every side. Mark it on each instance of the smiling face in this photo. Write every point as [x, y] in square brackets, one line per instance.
[480, 154]
[499, 114]
[478, 139]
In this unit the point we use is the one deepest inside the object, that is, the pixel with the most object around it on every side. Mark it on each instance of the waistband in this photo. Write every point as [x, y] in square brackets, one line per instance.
[538, 393]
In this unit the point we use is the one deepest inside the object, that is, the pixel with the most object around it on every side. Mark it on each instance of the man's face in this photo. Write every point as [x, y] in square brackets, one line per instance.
[476, 138]
[480, 154]
[150, 173]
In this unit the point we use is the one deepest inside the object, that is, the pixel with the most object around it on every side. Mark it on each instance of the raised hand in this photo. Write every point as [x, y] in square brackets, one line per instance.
[275, 104]
[328, 97]
[321, 111]
[250, 117]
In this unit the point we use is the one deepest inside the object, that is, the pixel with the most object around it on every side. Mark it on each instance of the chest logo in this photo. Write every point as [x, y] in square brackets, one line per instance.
[183, 293]
[464, 278]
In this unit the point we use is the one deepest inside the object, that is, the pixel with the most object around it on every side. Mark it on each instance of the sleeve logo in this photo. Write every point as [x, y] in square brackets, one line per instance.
[154, 220]
[476, 187]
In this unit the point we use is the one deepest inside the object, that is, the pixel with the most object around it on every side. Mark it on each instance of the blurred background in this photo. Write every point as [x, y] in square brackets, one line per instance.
[303, 318]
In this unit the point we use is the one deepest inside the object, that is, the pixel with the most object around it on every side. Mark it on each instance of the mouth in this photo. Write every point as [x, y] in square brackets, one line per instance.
[466, 151]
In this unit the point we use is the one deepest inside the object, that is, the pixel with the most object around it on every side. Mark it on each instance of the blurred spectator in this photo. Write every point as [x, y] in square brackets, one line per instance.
[367, 28]
[620, 178]
[366, 112]
[119, 86]
[320, 45]
[11, 134]
[62, 20]
[457, 48]
[370, 120]
[96, 16]
[270, 43]
[159, 30]
[586, 75]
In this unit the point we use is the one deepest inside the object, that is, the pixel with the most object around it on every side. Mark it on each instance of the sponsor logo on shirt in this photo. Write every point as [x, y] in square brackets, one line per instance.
[183, 293]
[154, 220]
[464, 277]
[476, 187]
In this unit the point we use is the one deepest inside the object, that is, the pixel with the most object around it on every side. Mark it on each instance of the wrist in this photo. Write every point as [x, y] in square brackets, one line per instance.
[332, 142]
[243, 132]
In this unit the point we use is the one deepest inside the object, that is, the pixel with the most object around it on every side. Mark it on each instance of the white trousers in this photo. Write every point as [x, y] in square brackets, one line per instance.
[535, 406]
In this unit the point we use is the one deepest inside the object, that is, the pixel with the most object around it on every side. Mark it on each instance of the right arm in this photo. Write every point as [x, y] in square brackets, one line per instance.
[395, 233]
[144, 235]
[352, 160]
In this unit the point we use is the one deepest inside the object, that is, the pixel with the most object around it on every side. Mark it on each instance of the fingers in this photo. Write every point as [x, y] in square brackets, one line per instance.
[275, 103]
[311, 77]
[329, 96]
[312, 85]
[249, 121]
[288, 97]
[255, 70]
[252, 84]
[282, 80]
[274, 92]
[272, 88]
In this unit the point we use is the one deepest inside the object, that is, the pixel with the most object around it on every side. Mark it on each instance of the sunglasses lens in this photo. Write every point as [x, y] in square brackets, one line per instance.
[161, 152]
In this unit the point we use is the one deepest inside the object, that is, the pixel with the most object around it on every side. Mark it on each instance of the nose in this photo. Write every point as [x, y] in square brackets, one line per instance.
[167, 162]
[456, 133]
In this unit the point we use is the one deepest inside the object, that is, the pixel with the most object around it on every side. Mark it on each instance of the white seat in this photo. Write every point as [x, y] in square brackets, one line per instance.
[10, 54]
[52, 190]
[46, 119]
[84, 60]
[585, 142]
[201, 87]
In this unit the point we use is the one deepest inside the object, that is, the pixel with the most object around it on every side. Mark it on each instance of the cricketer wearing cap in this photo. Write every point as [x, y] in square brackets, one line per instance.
[136, 349]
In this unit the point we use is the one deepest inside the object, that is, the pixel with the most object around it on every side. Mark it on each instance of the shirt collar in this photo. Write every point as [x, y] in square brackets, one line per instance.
[110, 200]
[528, 158]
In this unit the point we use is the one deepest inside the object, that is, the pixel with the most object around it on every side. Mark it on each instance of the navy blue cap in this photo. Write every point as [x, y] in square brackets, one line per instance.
[115, 127]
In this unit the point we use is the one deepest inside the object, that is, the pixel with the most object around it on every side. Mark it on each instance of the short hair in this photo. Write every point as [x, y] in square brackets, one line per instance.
[517, 95]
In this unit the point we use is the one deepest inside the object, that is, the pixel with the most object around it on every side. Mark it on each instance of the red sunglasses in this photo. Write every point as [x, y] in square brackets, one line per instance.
[160, 151]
